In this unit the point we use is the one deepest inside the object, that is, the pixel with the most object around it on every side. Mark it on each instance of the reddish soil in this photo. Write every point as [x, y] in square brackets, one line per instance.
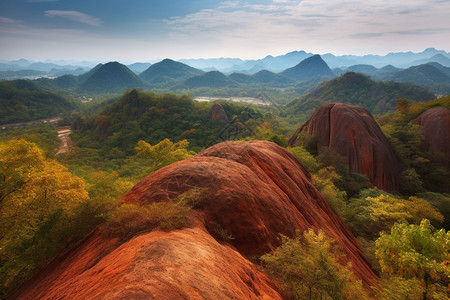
[252, 191]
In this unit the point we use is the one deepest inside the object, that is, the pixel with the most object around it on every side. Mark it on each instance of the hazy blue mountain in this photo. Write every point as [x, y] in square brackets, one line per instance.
[111, 77]
[213, 79]
[433, 76]
[438, 58]
[389, 68]
[212, 63]
[243, 78]
[365, 69]
[272, 79]
[340, 62]
[20, 74]
[270, 63]
[399, 59]
[167, 70]
[308, 69]
[139, 67]
[47, 67]
[61, 72]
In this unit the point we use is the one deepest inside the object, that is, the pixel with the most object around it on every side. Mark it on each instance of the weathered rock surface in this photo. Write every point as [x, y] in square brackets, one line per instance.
[252, 191]
[352, 133]
[183, 264]
[218, 113]
[435, 125]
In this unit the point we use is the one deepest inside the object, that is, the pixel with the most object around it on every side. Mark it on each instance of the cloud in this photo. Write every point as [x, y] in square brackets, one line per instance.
[286, 1]
[310, 24]
[6, 20]
[74, 16]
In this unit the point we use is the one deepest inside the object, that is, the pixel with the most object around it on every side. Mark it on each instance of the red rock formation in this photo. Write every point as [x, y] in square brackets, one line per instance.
[218, 113]
[435, 125]
[252, 191]
[352, 133]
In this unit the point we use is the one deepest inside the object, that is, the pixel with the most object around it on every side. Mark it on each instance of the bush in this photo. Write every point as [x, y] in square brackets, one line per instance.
[309, 267]
[130, 219]
[306, 158]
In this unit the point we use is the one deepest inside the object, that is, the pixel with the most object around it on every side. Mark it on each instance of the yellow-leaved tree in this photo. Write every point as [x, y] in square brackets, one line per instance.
[33, 190]
[416, 253]
[164, 153]
[310, 267]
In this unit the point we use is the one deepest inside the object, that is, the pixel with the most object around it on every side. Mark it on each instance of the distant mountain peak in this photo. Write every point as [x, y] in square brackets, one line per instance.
[168, 69]
[112, 77]
[309, 68]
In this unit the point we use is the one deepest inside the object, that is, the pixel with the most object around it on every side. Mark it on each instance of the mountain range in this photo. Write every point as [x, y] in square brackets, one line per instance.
[230, 65]
[113, 77]
[168, 74]
[288, 60]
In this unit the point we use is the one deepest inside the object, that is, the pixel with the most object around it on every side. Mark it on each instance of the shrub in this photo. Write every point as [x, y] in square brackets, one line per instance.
[308, 265]
[130, 219]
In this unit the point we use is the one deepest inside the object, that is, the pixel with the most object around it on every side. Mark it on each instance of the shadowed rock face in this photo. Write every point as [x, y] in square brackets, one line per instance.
[218, 113]
[252, 191]
[435, 125]
[352, 133]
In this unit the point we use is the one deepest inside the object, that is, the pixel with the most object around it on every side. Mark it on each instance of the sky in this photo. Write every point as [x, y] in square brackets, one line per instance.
[149, 30]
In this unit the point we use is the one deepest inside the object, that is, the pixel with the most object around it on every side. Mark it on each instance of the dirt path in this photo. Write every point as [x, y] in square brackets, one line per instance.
[66, 142]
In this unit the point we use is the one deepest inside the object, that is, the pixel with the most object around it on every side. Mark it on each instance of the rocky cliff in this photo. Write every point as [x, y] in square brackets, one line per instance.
[435, 125]
[251, 191]
[218, 113]
[351, 132]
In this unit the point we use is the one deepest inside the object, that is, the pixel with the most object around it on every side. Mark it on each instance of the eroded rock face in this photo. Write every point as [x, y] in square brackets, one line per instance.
[183, 264]
[251, 192]
[435, 125]
[351, 132]
[218, 113]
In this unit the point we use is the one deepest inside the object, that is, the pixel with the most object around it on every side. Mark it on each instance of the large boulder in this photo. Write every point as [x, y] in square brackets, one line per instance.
[351, 132]
[251, 192]
[218, 113]
[435, 126]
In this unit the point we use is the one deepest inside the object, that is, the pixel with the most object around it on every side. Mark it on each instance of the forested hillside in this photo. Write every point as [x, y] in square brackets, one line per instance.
[23, 100]
[357, 89]
[146, 116]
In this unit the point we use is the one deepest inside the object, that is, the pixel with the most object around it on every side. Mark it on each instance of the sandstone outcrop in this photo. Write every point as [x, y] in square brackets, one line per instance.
[351, 132]
[251, 191]
[218, 113]
[435, 125]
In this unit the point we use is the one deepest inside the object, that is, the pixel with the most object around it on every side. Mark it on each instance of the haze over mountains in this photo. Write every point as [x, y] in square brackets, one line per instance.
[271, 63]
[430, 68]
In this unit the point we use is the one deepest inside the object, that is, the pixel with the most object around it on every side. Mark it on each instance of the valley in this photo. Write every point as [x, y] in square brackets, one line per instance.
[279, 178]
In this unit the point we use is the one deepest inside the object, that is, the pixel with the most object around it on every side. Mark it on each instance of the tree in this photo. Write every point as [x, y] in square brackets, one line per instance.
[32, 186]
[164, 153]
[417, 252]
[385, 210]
[309, 265]
[35, 194]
